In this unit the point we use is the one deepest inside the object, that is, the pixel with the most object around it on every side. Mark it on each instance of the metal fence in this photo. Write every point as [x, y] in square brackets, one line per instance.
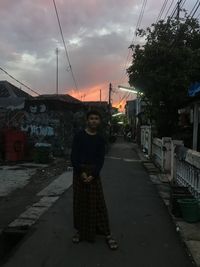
[161, 153]
[187, 171]
[157, 152]
[146, 139]
[172, 157]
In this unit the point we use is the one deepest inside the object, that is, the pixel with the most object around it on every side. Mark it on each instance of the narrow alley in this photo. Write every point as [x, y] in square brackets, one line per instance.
[139, 220]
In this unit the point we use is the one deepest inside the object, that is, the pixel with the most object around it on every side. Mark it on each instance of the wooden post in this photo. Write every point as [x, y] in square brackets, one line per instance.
[57, 51]
[110, 107]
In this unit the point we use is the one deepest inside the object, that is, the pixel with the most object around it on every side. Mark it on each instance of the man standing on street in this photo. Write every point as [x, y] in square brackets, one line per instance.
[90, 212]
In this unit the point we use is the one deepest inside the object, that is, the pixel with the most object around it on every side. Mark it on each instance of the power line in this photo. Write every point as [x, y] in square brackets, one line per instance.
[173, 12]
[26, 86]
[180, 4]
[194, 10]
[65, 46]
[176, 8]
[162, 10]
[168, 9]
[134, 36]
[141, 15]
[197, 5]
[125, 97]
[137, 26]
[139, 21]
[183, 3]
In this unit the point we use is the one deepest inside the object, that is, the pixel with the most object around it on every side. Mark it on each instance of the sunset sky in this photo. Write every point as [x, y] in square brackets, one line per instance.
[97, 34]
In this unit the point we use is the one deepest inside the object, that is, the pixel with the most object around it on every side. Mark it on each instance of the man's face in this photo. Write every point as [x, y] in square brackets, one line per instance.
[94, 121]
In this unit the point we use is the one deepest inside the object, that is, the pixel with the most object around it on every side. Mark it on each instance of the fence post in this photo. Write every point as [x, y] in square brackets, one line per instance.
[173, 167]
[162, 154]
[167, 153]
[141, 131]
[174, 143]
[150, 141]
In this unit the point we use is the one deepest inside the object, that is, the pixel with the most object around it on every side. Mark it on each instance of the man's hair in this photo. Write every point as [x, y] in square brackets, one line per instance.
[93, 112]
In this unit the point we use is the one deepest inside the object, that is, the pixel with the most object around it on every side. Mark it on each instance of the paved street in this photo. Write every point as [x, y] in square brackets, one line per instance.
[138, 218]
[15, 177]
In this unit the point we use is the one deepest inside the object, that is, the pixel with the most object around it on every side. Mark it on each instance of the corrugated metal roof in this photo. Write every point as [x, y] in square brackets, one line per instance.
[96, 103]
[9, 90]
[12, 97]
[61, 97]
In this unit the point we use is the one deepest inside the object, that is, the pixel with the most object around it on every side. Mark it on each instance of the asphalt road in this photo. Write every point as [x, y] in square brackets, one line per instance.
[138, 218]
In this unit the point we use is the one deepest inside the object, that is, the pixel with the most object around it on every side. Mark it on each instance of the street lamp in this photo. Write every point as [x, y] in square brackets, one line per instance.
[117, 114]
[129, 89]
[134, 91]
[138, 101]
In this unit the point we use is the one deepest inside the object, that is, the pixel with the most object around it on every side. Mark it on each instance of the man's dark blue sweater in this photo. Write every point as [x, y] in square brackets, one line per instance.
[88, 149]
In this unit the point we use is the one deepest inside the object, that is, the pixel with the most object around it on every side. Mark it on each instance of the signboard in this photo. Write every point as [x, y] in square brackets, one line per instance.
[194, 89]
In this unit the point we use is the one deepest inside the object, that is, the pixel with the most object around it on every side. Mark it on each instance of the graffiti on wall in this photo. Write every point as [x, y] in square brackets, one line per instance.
[38, 130]
[41, 108]
[45, 122]
[11, 118]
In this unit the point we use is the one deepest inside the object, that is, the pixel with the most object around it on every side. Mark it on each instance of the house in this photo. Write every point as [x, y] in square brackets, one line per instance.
[12, 97]
[189, 119]
[130, 110]
[99, 105]
[12, 101]
[53, 119]
[134, 110]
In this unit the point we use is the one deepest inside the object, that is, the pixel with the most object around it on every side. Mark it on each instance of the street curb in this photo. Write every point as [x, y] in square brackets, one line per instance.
[22, 226]
[192, 246]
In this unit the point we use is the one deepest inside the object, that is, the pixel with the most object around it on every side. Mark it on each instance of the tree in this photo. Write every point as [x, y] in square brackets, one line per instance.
[164, 68]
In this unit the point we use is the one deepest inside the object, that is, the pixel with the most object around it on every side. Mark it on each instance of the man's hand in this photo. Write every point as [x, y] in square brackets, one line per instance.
[84, 176]
[89, 178]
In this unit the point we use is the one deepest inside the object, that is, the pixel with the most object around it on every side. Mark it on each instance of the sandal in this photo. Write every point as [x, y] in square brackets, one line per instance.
[111, 242]
[76, 238]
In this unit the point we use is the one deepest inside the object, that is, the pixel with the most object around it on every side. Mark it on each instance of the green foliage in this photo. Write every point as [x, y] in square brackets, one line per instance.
[165, 67]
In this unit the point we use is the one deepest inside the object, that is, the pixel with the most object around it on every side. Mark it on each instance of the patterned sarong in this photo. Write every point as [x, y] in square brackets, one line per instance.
[90, 211]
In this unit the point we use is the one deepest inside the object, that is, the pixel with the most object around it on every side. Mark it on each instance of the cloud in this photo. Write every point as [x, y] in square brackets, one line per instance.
[97, 34]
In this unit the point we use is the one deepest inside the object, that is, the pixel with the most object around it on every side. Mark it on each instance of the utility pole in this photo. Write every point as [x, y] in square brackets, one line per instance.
[57, 51]
[100, 95]
[110, 91]
[110, 106]
[178, 10]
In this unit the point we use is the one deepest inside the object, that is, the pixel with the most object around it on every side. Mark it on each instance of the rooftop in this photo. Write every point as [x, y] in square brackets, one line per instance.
[96, 103]
[12, 97]
[9, 90]
[62, 97]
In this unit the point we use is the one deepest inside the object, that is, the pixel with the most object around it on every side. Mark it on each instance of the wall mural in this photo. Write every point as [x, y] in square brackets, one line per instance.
[50, 126]
[45, 125]
[38, 130]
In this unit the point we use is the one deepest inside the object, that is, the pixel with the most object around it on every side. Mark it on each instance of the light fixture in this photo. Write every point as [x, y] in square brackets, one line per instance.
[117, 114]
[129, 89]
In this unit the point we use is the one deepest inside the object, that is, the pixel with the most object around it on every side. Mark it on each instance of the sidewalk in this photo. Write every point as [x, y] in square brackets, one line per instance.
[188, 232]
[20, 183]
[138, 217]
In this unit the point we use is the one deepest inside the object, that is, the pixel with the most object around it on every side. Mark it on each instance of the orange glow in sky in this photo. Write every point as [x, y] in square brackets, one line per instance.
[93, 94]
[90, 94]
